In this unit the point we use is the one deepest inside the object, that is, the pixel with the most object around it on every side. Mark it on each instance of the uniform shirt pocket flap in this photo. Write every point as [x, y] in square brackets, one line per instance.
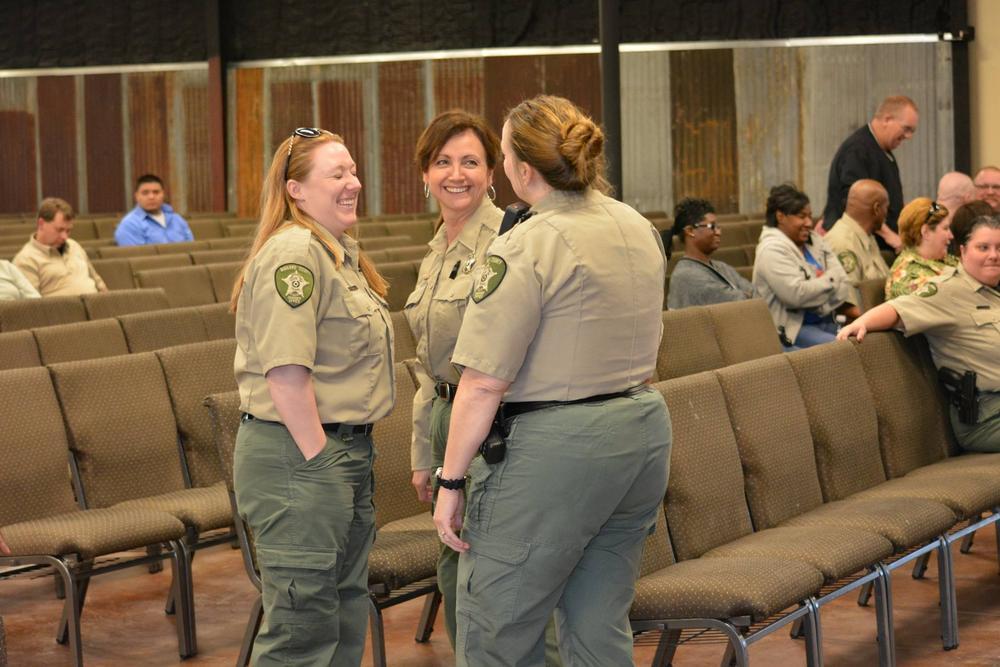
[356, 306]
[511, 552]
[301, 559]
[984, 317]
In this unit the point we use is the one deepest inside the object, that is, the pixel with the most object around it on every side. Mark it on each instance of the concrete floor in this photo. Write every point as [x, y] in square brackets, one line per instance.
[124, 624]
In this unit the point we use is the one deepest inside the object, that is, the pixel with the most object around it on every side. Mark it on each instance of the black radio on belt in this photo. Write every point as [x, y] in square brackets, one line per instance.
[494, 447]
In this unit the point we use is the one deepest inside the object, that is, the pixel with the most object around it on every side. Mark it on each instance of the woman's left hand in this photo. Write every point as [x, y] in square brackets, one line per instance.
[448, 518]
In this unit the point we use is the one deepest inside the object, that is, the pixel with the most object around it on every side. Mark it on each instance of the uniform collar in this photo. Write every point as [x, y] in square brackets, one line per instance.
[855, 228]
[347, 244]
[971, 282]
[558, 199]
[470, 230]
[46, 249]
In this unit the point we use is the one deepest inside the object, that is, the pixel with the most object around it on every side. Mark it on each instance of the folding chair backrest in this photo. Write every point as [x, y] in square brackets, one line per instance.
[167, 261]
[180, 247]
[31, 313]
[111, 252]
[193, 372]
[223, 275]
[18, 349]
[219, 321]
[205, 229]
[402, 278]
[224, 412]
[657, 552]
[121, 427]
[771, 426]
[116, 272]
[688, 345]
[744, 330]
[705, 501]
[33, 472]
[123, 302]
[842, 418]
[157, 329]
[872, 293]
[406, 346]
[80, 340]
[217, 256]
[394, 495]
[184, 285]
[405, 253]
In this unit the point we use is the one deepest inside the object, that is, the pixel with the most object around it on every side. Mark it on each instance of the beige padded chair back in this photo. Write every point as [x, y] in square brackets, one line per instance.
[705, 502]
[106, 228]
[80, 340]
[394, 495]
[157, 329]
[33, 472]
[406, 346]
[657, 552]
[123, 302]
[223, 275]
[18, 349]
[381, 243]
[771, 426]
[841, 417]
[229, 244]
[49, 310]
[901, 376]
[167, 261]
[116, 272]
[113, 252]
[193, 372]
[219, 321]
[419, 231]
[872, 293]
[406, 253]
[218, 256]
[402, 277]
[744, 330]
[185, 285]
[688, 345]
[180, 247]
[224, 412]
[205, 229]
[121, 427]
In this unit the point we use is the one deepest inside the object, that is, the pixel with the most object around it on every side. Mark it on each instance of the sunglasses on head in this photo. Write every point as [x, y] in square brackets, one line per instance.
[935, 208]
[305, 133]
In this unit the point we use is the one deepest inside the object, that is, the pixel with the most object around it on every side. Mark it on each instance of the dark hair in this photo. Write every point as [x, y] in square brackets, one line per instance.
[52, 206]
[690, 211]
[449, 124]
[961, 222]
[785, 198]
[147, 178]
[991, 221]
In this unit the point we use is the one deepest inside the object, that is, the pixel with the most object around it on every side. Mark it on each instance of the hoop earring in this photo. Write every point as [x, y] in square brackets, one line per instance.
[427, 191]
[491, 192]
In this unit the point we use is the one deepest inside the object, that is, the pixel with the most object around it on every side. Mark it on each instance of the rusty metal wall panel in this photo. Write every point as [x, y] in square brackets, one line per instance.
[291, 107]
[105, 159]
[341, 110]
[57, 137]
[647, 158]
[198, 174]
[768, 91]
[577, 77]
[248, 147]
[149, 126]
[458, 84]
[401, 120]
[508, 82]
[17, 172]
[702, 95]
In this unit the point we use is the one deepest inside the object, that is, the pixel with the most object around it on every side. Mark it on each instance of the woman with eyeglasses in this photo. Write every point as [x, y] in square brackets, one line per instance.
[697, 279]
[564, 326]
[314, 369]
[925, 229]
[798, 274]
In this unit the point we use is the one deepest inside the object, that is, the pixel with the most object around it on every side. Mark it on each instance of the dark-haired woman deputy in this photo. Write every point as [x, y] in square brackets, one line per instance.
[565, 324]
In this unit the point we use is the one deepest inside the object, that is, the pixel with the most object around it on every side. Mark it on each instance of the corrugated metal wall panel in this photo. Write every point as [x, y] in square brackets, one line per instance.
[57, 137]
[458, 84]
[508, 81]
[577, 77]
[647, 158]
[768, 90]
[702, 94]
[248, 147]
[198, 173]
[149, 126]
[291, 107]
[105, 157]
[401, 120]
[17, 175]
[342, 111]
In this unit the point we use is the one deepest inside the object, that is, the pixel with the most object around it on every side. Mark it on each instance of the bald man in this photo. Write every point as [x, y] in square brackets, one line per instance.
[954, 190]
[853, 237]
[987, 183]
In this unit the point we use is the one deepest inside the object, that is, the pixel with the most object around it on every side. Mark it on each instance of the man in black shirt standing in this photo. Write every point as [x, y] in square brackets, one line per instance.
[867, 153]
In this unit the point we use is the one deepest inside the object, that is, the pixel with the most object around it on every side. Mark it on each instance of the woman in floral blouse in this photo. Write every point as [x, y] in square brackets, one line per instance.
[926, 233]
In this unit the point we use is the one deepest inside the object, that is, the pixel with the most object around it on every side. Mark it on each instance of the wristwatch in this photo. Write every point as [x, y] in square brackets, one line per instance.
[450, 484]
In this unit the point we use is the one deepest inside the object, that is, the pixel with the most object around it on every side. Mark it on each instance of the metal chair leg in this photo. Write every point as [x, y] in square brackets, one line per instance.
[426, 626]
[666, 648]
[59, 584]
[967, 542]
[813, 635]
[797, 631]
[946, 589]
[183, 592]
[155, 566]
[883, 614]
[378, 632]
[71, 612]
[920, 566]
[81, 580]
[250, 634]
[864, 595]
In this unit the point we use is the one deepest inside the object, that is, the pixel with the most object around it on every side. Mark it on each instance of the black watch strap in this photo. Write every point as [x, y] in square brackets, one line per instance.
[450, 484]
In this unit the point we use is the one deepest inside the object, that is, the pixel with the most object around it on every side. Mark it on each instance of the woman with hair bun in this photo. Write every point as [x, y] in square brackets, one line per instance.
[564, 326]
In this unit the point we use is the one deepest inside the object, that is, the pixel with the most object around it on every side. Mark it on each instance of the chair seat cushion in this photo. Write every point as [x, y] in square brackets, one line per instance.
[967, 494]
[723, 588]
[978, 464]
[904, 522]
[91, 533]
[836, 552]
[202, 508]
[405, 551]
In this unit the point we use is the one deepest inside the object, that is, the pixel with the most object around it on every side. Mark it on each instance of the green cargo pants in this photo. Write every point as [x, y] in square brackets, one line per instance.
[559, 525]
[313, 522]
[985, 435]
[447, 566]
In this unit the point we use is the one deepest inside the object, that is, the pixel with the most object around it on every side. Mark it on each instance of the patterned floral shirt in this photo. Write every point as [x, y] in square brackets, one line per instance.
[911, 271]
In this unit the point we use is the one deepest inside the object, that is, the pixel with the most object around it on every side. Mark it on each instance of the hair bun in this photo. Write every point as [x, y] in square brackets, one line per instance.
[582, 142]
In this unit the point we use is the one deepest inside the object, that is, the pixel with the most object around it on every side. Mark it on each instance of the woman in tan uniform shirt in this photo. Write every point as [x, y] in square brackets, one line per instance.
[564, 325]
[457, 154]
[314, 369]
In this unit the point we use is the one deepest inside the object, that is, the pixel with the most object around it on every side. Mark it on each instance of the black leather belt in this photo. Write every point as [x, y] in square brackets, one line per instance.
[520, 407]
[445, 391]
[331, 428]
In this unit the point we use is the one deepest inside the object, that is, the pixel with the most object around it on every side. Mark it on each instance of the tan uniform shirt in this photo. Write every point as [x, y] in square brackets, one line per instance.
[435, 308]
[55, 273]
[961, 319]
[297, 307]
[569, 303]
[857, 251]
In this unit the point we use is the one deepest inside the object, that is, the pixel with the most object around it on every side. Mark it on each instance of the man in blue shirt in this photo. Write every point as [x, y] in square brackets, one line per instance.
[151, 221]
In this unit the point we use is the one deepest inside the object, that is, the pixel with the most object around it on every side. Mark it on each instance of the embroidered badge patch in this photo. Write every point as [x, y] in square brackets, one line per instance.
[848, 260]
[930, 289]
[490, 277]
[294, 283]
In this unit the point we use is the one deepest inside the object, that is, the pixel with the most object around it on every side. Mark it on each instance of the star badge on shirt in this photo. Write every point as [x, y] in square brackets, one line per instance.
[294, 283]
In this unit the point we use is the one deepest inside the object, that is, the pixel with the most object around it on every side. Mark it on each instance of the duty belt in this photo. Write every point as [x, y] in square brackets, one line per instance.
[510, 410]
[445, 391]
[332, 428]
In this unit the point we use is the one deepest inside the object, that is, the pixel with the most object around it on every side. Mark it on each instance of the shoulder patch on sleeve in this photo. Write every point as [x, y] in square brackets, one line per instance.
[490, 276]
[930, 289]
[294, 283]
[848, 260]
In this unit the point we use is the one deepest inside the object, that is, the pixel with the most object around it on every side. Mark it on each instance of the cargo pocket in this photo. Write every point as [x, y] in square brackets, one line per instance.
[298, 585]
[479, 473]
[492, 576]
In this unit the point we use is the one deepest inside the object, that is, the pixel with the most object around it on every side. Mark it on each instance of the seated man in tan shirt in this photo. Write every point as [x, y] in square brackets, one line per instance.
[853, 235]
[53, 263]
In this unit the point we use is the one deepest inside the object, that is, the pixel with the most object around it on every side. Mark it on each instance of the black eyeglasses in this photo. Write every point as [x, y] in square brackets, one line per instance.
[935, 208]
[707, 225]
[305, 133]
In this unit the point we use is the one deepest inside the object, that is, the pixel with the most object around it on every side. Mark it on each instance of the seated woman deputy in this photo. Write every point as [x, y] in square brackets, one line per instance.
[564, 324]
[314, 369]
[959, 313]
[925, 230]
[798, 274]
[697, 279]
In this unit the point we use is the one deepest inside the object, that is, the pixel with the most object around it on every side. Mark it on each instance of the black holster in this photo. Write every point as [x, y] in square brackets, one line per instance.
[961, 392]
[494, 447]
